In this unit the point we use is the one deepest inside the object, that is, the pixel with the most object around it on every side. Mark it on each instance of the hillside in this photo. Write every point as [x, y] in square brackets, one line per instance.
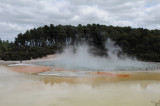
[141, 43]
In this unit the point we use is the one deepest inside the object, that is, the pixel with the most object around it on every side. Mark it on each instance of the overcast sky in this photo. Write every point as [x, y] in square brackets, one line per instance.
[16, 16]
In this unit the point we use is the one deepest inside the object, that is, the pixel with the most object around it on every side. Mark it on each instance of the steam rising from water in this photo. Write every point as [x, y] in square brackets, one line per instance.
[80, 58]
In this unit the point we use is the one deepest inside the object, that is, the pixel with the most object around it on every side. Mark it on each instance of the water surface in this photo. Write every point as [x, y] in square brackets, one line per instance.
[20, 89]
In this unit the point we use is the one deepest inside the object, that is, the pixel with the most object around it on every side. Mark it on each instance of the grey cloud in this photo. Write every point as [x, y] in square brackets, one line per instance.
[19, 15]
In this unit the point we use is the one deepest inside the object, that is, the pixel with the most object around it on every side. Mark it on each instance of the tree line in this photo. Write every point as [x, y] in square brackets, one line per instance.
[41, 41]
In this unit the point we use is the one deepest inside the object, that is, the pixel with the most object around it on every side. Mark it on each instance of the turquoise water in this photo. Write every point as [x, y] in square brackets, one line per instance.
[140, 66]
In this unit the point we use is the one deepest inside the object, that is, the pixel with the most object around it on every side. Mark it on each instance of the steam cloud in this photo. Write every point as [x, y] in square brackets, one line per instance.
[80, 58]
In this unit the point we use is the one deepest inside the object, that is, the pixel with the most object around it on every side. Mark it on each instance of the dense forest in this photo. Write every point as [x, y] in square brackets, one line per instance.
[139, 42]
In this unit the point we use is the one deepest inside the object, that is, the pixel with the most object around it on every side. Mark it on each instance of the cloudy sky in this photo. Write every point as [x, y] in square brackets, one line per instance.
[16, 16]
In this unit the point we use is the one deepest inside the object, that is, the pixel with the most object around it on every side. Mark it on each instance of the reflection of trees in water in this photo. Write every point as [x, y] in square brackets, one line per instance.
[56, 80]
[96, 81]
[69, 80]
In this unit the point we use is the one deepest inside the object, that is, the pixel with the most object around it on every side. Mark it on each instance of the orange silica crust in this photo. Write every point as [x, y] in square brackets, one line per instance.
[30, 69]
[37, 69]
[111, 74]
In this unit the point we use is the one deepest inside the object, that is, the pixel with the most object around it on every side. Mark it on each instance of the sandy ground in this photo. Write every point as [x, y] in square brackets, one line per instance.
[30, 69]
[49, 57]
[21, 67]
